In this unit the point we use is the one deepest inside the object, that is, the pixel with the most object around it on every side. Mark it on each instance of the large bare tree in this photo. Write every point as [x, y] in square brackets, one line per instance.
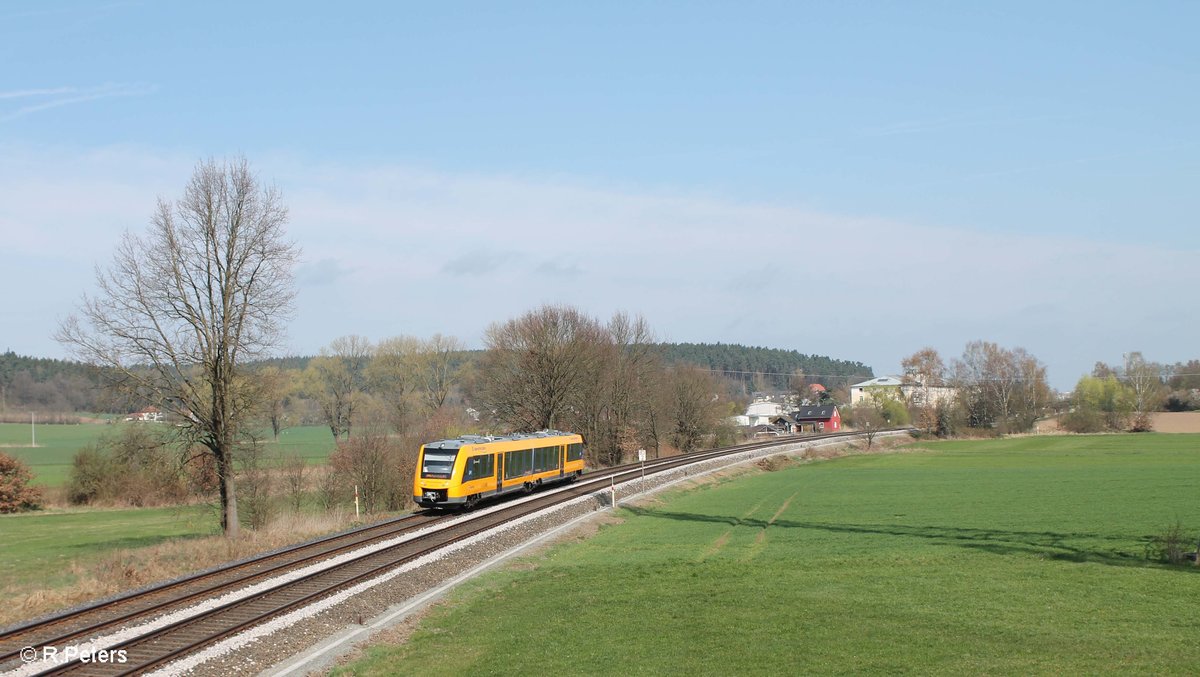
[183, 308]
[536, 365]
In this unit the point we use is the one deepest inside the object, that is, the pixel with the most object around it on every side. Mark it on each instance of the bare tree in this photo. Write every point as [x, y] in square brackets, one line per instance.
[336, 379]
[613, 406]
[926, 367]
[800, 387]
[183, 308]
[536, 364]
[392, 376]
[1032, 395]
[693, 407]
[275, 387]
[1145, 378]
[435, 368]
[1000, 387]
[924, 370]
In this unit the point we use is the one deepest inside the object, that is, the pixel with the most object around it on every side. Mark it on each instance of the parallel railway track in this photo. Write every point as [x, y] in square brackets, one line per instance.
[167, 641]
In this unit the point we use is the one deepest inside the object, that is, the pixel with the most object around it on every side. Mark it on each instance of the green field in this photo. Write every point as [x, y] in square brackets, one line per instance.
[41, 547]
[996, 557]
[50, 460]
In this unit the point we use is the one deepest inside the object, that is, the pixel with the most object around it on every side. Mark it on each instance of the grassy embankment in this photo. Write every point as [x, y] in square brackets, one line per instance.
[1012, 556]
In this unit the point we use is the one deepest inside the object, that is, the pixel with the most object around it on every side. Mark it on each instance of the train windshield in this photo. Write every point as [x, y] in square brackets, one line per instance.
[438, 464]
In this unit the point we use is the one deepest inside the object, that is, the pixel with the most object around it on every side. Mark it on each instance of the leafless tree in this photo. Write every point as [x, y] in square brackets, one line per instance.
[924, 370]
[183, 308]
[392, 376]
[295, 470]
[926, 367]
[1000, 387]
[1145, 379]
[613, 406]
[1032, 395]
[275, 385]
[536, 364]
[435, 369]
[800, 387]
[869, 421]
[693, 410]
[336, 379]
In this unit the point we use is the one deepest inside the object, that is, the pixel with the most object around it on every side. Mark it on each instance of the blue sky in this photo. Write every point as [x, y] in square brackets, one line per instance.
[851, 179]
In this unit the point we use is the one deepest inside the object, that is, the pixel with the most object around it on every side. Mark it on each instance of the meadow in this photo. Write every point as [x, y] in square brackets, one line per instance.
[46, 548]
[1014, 556]
[50, 460]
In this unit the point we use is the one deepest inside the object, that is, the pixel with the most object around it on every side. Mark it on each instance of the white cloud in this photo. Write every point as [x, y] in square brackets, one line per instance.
[393, 250]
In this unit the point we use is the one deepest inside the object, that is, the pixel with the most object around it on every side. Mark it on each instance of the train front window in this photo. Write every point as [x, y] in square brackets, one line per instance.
[437, 464]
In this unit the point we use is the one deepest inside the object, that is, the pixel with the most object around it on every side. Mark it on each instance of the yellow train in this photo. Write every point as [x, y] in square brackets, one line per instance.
[462, 471]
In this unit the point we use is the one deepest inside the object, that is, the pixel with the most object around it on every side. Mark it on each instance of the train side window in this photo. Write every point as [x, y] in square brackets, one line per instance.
[574, 452]
[479, 466]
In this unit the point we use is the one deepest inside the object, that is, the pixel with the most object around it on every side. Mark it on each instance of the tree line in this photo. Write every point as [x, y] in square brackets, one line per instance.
[763, 369]
[988, 388]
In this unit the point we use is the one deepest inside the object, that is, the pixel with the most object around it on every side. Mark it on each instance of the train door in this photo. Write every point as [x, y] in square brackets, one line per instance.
[562, 460]
[499, 472]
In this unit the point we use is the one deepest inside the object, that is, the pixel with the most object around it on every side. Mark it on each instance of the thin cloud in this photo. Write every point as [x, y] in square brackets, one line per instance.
[557, 269]
[55, 97]
[319, 273]
[25, 93]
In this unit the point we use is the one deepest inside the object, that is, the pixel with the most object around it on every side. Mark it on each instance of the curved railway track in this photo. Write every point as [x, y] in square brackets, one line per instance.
[295, 577]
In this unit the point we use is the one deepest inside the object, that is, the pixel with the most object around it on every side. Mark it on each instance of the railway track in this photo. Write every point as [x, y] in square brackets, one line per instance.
[181, 617]
[80, 623]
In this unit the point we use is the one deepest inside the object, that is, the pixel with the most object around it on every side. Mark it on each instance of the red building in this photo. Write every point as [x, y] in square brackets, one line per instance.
[815, 419]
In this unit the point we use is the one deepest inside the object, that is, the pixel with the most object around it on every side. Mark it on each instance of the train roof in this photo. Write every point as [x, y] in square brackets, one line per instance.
[465, 440]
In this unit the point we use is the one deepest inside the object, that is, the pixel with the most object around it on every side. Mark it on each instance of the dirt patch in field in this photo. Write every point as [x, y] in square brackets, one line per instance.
[1177, 422]
[1164, 422]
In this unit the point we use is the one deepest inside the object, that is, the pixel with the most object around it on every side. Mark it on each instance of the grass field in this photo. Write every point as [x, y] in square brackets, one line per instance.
[50, 461]
[996, 557]
[45, 547]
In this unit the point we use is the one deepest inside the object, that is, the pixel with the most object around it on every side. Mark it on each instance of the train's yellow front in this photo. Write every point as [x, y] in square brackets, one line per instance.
[461, 472]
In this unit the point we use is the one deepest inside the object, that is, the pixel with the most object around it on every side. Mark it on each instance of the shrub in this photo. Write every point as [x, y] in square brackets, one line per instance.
[134, 467]
[380, 468]
[1181, 400]
[254, 488]
[1171, 546]
[1083, 420]
[1142, 423]
[15, 493]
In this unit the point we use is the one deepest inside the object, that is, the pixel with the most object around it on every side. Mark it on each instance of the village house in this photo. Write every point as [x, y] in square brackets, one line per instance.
[818, 419]
[148, 415]
[911, 390]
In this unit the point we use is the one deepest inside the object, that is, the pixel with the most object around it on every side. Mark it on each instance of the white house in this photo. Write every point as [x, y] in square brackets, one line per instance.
[862, 391]
[762, 411]
[912, 392]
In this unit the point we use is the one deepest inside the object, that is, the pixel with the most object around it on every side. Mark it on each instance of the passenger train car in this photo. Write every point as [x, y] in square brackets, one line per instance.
[462, 471]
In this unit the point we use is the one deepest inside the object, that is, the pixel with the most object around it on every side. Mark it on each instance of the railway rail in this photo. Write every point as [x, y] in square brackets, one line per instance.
[180, 617]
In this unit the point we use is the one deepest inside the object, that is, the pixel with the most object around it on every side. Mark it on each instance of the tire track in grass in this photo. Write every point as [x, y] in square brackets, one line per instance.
[721, 541]
[760, 541]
